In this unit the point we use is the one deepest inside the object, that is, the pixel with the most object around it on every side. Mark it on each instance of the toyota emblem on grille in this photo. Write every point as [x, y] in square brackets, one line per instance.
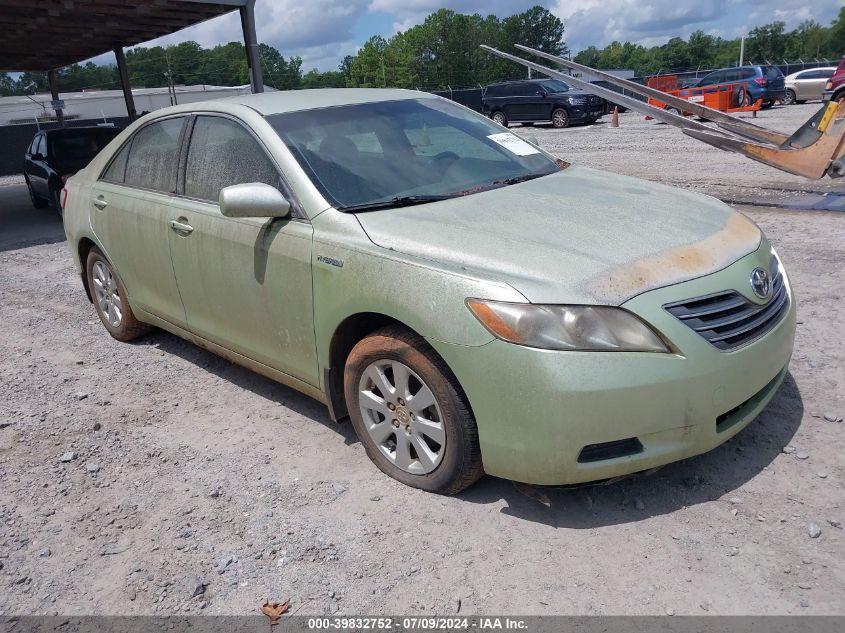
[760, 283]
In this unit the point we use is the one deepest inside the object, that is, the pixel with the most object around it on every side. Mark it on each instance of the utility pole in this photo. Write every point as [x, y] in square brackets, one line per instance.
[741, 50]
[171, 89]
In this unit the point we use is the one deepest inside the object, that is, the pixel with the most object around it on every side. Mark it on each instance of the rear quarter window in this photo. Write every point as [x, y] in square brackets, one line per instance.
[772, 72]
[153, 157]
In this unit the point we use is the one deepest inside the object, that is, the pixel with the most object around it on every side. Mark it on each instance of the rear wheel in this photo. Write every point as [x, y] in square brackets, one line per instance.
[110, 299]
[410, 413]
[560, 118]
[789, 97]
[740, 97]
[499, 117]
[37, 201]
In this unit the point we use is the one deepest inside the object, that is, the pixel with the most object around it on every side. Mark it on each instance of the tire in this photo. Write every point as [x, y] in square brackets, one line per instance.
[740, 98]
[37, 201]
[451, 464]
[499, 117]
[115, 313]
[560, 118]
[673, 110]
[789, 97]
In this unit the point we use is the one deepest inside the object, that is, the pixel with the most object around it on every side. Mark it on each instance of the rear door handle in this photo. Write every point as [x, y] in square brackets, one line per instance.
[180, 227]
[100, 203]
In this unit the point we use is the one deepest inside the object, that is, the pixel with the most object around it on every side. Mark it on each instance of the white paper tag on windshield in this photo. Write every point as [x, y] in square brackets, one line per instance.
[514, 144]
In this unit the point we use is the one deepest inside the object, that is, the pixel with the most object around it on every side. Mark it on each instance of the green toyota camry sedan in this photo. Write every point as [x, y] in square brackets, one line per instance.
[471, 303]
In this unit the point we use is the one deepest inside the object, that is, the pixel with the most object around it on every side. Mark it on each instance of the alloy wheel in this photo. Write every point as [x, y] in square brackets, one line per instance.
[402, 417]
[560, 118]
[107, 294]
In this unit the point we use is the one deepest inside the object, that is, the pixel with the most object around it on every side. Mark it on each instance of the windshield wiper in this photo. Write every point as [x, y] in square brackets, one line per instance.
[400, 201]
[517, 179]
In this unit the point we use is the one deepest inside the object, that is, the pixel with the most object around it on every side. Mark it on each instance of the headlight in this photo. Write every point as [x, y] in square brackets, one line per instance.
[577, 100]
[562, 327]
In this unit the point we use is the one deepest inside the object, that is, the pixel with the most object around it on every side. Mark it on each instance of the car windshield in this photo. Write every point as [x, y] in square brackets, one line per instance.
[81, 144]
[555, 85]
[392, 153]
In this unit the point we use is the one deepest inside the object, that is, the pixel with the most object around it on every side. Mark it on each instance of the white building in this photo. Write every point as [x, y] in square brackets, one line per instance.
[106, 104]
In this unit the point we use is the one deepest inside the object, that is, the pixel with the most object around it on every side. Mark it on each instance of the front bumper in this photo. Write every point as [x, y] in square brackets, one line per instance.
[537, 410]
[582, 113]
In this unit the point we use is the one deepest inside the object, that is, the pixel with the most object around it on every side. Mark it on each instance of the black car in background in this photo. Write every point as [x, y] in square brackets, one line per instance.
[54, 155]
[540, 100]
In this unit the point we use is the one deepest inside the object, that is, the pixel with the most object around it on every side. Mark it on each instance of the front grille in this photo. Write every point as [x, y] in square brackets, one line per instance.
[728, 320]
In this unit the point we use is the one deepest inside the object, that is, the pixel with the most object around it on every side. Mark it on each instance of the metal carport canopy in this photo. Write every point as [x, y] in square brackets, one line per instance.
[49, 34]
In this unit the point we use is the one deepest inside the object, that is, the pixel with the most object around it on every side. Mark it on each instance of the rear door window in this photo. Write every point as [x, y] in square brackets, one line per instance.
[154, 156]
[223, 153]
[41, 148]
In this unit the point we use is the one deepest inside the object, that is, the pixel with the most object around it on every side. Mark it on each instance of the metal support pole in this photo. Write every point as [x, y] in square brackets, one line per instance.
[253, 55]
[54, 91]
[124, 83]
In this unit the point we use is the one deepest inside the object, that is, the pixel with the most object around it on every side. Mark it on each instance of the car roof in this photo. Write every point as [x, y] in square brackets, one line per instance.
[280, 101]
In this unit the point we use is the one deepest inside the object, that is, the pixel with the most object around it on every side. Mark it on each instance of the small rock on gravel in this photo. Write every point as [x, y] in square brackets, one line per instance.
[92, 468]
[813, 530]
[68, 456]
[196, 586]
[670, 611]
[802, 455]
[831, 417]
[44, 553]
[97, 426]
[788, 449]
[834, 523]
[80, 396]
[109, 549]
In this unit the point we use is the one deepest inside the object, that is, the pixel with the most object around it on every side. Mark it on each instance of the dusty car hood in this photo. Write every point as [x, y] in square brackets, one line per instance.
[578, 236]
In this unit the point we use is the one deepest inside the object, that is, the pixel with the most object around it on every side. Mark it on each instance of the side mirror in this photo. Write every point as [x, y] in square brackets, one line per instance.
[253, 200]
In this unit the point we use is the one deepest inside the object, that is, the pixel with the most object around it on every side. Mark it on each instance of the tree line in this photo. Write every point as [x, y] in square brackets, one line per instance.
[441, 52]
[772, 43]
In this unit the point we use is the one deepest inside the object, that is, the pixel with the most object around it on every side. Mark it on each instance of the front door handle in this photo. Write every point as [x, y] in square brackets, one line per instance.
[100, 203]
[180, 227]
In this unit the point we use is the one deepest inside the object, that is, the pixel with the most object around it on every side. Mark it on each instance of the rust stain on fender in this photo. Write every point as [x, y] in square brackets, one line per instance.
[739, 237]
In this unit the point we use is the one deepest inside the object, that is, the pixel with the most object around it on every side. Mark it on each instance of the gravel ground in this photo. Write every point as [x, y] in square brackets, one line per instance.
[154, 477]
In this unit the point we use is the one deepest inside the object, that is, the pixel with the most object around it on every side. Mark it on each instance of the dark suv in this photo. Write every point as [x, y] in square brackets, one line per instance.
[54, 155]
[540, 100]
[834, 89]
[761, 82]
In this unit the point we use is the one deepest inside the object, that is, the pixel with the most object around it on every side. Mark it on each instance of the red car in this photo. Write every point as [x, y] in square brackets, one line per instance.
[835, 87]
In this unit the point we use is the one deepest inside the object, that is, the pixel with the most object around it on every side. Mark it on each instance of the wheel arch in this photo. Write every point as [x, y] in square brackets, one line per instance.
[348, 333]
[83, 248]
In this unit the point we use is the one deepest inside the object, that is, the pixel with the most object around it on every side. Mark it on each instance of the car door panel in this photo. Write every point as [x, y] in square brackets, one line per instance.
[245, 283]
[129, 211]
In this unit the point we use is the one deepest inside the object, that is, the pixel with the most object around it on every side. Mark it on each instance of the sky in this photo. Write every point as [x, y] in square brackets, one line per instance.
[322, 32]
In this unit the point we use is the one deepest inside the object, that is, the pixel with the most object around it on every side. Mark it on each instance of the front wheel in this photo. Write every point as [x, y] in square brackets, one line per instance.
[499, 117]
[560, 118]
[410, 413]
[110, 299]
[788, 98]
